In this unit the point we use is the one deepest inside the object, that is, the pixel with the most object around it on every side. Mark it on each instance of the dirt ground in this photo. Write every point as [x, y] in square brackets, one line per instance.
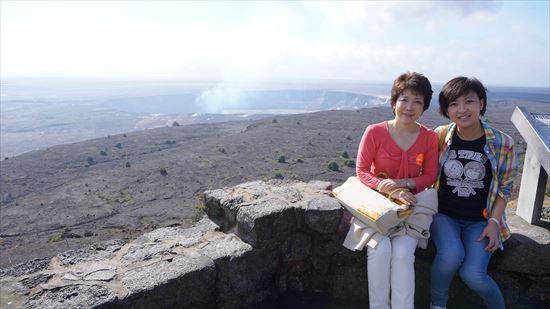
[70, 196]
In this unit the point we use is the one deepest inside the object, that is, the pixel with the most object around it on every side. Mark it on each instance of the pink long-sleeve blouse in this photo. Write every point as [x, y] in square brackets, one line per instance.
[379, 153]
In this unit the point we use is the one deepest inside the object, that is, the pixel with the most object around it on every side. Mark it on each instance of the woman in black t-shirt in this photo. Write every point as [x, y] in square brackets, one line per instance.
[477, 168]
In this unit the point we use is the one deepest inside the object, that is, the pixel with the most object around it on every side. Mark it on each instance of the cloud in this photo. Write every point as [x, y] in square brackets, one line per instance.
[286, 40]
[470, 8]
[105, 48]
[391, 17]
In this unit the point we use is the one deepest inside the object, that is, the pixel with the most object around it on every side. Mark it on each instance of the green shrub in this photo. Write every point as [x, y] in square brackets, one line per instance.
[221, 149]
[103, 153]
[127, 164]
[274, 121]
[349, 163]
[175, 124]
[54, 238]
[163, 172]
[199, 210]
[170, 142]
[348, 138]
[124, 197]
[300, 161]
[333, 166]
[119, 145]
[278, 176]
[91, 161]
[345, 155]
[281, 159]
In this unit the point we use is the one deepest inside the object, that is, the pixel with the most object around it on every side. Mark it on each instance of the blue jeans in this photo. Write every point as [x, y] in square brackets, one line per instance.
[458, 249]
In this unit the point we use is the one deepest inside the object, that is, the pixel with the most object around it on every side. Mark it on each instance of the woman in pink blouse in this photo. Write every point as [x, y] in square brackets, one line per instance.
[398, 153]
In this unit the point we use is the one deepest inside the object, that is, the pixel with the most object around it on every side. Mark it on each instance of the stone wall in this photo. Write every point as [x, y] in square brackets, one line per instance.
[263, 245]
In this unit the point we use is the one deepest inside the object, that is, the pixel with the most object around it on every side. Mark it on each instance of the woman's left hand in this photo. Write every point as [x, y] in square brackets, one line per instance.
[387, 185]
[490, 231]
[405, 197]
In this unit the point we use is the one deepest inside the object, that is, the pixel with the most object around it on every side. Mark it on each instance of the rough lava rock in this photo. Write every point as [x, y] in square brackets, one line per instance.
[262, 242]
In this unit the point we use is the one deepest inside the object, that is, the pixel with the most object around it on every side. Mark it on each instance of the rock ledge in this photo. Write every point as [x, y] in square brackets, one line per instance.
[259, 242]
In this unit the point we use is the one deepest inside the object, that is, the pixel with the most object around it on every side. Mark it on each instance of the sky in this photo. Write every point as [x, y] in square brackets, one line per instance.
[499, 42]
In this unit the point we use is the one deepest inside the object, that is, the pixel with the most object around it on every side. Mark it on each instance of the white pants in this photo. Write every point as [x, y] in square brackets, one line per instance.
[391, 267]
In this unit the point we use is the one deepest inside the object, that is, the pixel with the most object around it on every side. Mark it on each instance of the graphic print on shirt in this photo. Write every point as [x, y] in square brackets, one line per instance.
[465, 178]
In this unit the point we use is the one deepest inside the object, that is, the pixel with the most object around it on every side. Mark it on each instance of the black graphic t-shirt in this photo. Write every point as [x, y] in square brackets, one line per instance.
[465, 180]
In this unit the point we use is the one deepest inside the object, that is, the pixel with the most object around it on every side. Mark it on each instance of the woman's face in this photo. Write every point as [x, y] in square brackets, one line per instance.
[409, 106]
[465, 110]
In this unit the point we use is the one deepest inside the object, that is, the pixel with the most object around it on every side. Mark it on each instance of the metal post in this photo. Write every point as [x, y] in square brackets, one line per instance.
[533, 185]
[536, 165]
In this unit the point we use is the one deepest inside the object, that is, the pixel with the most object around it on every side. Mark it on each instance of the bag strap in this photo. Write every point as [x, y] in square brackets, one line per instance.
[442, 136]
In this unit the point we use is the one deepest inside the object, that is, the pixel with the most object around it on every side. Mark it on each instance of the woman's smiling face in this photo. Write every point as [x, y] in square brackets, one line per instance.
[409, 106]
[465, 110]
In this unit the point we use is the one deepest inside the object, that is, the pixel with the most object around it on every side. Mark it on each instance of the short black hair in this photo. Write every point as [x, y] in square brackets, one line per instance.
[457, 87]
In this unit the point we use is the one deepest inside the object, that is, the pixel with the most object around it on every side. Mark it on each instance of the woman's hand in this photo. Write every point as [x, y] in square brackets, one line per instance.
[387, 185]
[490, 231]
[404, 196]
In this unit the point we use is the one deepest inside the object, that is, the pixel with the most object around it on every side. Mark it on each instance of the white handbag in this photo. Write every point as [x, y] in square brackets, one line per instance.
[369, 206]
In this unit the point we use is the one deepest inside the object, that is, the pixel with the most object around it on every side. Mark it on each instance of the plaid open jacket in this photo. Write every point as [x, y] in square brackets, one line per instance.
[499, 148]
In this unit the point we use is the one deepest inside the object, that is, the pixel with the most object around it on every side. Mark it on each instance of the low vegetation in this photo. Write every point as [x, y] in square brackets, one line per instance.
[125, 197]
[333, 166]
[91, 161]
[54, 237]
[199, 210]
[349, 163]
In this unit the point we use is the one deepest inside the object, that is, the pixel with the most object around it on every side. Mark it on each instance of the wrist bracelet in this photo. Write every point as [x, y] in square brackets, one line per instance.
[494, 220]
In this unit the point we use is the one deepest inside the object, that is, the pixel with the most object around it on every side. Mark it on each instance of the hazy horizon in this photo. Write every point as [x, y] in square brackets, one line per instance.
[27, 85]
[37, 114]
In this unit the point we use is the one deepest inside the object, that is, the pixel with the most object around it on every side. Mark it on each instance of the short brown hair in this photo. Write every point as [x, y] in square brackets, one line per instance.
[415, 82]
[457, 87]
